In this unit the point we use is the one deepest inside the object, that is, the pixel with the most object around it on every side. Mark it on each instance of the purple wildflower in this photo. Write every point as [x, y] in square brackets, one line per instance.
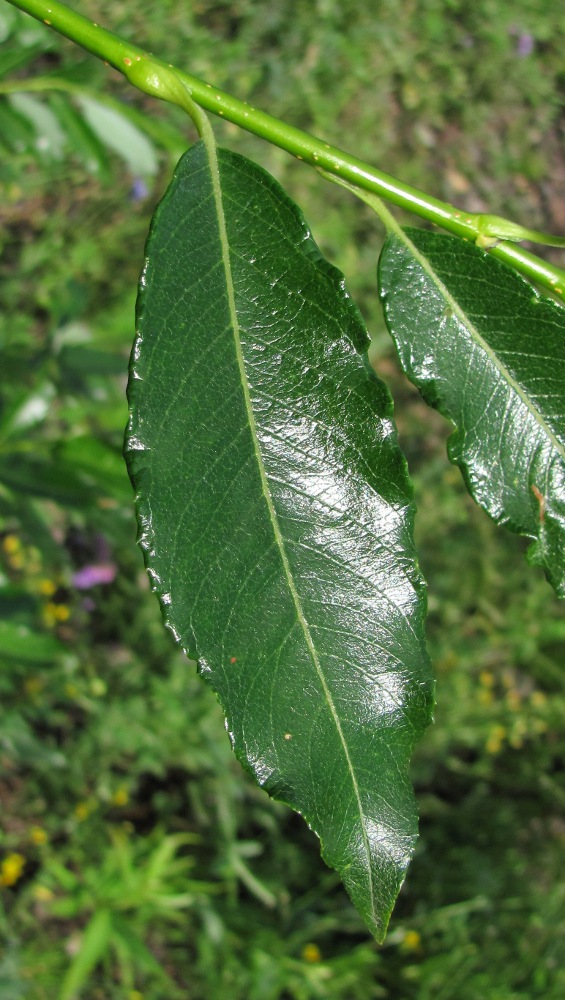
[524, 45]
[94, 574]
[138, 190]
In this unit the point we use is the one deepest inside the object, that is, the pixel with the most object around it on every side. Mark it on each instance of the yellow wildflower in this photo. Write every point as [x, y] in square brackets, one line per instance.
[486, 678]
[38, 835]
[54, 613]
[496, 738]
[311, 953]
[83, 810]
[11, 869]
[13, 551]
[49, 614]
[47, 587]
[120, 796]
[11, 544]
[15, 560]
[411, 941]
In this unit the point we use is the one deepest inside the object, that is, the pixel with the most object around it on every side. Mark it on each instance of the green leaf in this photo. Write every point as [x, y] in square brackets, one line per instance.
[276, 513]
[77, 359]
[489, 352]
[81, 140]
[100, 462]
[17, 642]
[50, 139]
[39, 477]
[12, 59]
[16, 131]
[113, 128]
[95, 943]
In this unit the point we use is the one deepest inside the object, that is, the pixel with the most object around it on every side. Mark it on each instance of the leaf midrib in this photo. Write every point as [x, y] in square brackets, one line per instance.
[483, 344]
[224, 242]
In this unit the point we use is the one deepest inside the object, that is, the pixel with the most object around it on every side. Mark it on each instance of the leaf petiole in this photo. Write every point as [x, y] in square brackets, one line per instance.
[493, 228]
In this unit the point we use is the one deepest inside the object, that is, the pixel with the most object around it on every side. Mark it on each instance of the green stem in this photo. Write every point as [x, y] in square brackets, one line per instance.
[155, 77]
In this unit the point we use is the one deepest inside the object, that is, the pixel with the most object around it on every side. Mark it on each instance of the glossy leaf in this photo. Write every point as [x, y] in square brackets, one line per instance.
[489, 352]
[276, 513]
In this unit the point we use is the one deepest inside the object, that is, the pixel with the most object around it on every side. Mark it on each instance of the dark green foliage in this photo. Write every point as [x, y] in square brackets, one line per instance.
[489, 352]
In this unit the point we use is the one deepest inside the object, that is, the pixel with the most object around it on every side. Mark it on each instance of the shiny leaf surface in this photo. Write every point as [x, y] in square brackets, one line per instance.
[276, 513]
[489, 352]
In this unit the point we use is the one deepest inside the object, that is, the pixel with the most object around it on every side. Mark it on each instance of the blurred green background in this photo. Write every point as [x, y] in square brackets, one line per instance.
[137, 861]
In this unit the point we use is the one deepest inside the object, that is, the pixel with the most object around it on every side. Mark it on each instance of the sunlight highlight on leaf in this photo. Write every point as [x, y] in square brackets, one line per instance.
[487, 351]
[276, 513]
